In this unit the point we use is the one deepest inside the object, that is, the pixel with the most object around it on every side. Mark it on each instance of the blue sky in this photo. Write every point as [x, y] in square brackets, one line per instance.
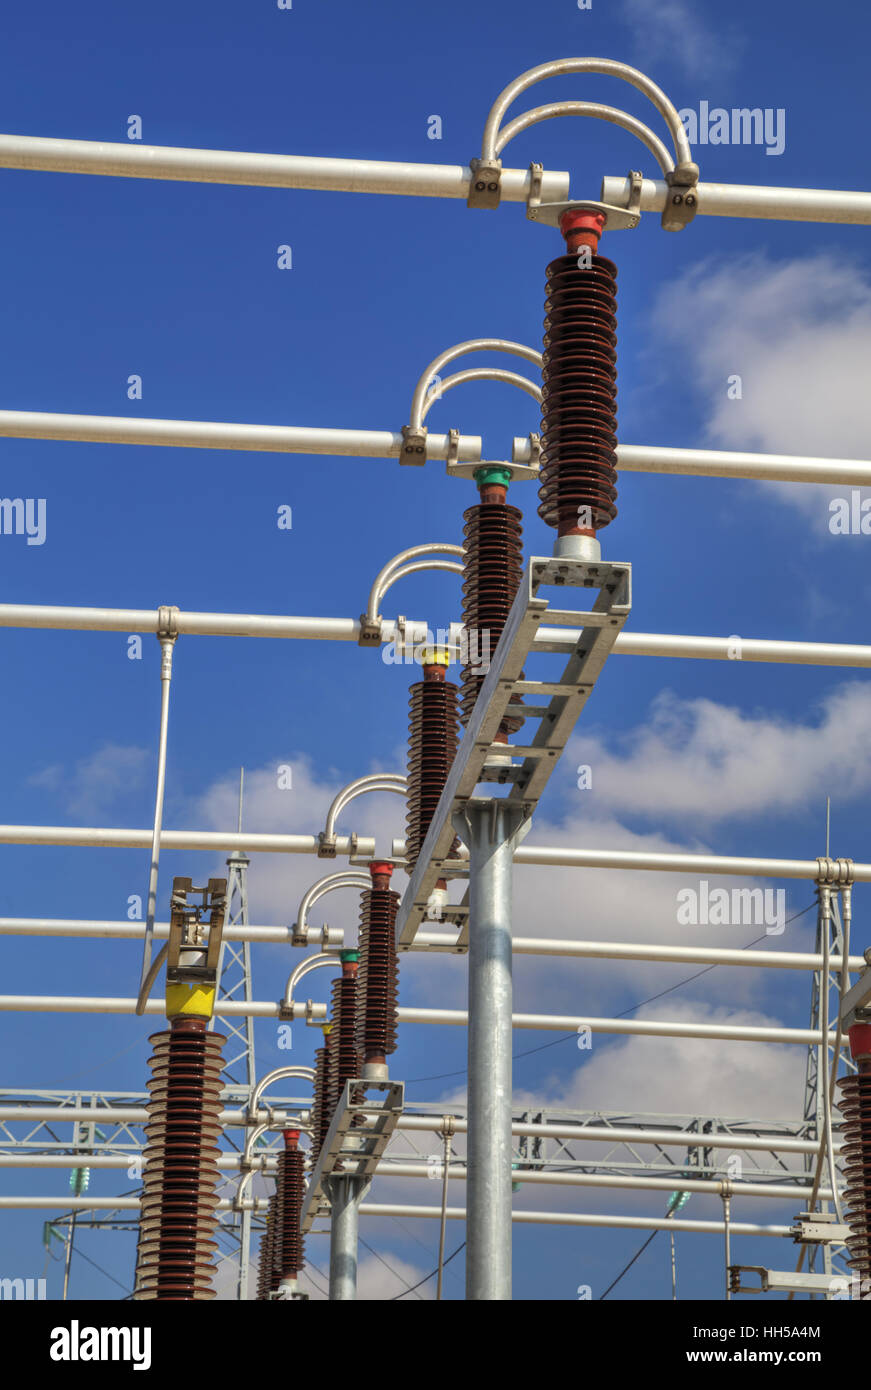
[178, 284]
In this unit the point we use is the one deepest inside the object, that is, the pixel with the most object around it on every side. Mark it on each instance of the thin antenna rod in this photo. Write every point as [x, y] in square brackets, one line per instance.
[241, 787]
[828, 823]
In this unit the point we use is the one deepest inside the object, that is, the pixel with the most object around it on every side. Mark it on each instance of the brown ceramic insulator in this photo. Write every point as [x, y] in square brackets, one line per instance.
[579, 396]
[179, 1198]
[321, 1111]
[492, 540]
[378, 990]
[291, 1189]
[344, 1059]
[266, 1255]
[432, 747]
[855, 1106]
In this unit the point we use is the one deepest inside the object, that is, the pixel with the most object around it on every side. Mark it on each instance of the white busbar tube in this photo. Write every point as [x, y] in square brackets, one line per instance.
[314, 172]
[522, 945]
[554, 856]
[387, 444]
[85, 1004]
[457, 1171]
[559, 1218]
[751, 200]
[64, 1202]
[594, 1134]
[144, 620]
[220, 434]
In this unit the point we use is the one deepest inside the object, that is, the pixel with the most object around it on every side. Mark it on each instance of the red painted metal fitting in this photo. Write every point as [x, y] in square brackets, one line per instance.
[860, 1040]
[291, 1138]
[582, 229]
[381, 871]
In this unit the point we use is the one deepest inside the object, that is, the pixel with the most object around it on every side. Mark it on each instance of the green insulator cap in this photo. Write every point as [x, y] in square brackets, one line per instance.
[345, 956]
[492, 474]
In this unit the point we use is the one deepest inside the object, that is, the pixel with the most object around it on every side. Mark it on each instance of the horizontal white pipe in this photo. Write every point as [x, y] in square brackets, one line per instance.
[565, 1218]
[146, 620]
[727, 463]
[217, 434]
[458, 1172]
[24, 1159]
[65, 1202]
[734, 648]
[112, 1114]
[104, 838]
[560, 1023]
[677, 863]
[522, 945]
[631, 950]
[130, 931]
[135, 161]
[751, 200]
[594, 1134]
[709, 1186]
[302, 439]
[557, 856]
[569, 1023]
[107, 1004]
[608, 1134]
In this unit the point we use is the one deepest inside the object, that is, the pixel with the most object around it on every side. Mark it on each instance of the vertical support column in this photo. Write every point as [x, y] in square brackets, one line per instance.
[492, 828]
[345, 1196]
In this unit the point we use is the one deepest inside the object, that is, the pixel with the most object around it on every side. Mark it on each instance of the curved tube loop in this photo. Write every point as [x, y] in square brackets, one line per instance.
[607, 67]
[480, 374]
[345, 878]
[305, 967]
[383, 580]
[460, 350]
[589, 108]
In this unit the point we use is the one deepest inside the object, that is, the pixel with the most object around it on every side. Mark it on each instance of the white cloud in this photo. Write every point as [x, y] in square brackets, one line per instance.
[687, 1076]
[699, 762]
[96, 783]
[672, 31]
[798, 333]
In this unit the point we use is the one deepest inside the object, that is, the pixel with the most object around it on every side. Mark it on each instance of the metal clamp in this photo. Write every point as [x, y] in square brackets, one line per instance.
[370, 636]
[485, 184]
[616, 219]
[413, 451]
[536, 177]
[167, 623]
[453, 454]
[834, 872]
[682, 199]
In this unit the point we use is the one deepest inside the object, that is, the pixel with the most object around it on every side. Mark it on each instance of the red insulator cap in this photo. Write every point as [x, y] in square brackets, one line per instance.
[381, 869]
[860, 1040]
[582, 229]
[291, 1138]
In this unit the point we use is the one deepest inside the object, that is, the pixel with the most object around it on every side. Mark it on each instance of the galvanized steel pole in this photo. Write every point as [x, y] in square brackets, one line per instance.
[345, 1195]
[492, 829]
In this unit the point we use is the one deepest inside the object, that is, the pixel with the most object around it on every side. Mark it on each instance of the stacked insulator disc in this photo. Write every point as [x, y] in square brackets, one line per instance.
[378, 975]
[492, 539]
[266, 1281]
[289, 1194]
[321, 1112]
[179, 1200]
[855, 1106]
[579, 399]
[344, 1056]
[432, 747]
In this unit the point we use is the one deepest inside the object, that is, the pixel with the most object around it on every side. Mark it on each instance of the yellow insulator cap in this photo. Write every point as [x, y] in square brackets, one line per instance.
[434, 656]
[326, 1028]
[194, 998]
